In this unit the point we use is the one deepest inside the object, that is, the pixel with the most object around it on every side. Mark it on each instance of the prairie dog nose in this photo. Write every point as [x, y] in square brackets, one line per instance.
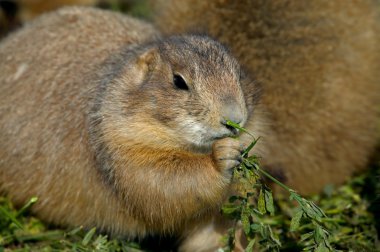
[231, 111]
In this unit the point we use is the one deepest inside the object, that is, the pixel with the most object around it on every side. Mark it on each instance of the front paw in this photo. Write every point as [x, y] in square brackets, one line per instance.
[226, 154]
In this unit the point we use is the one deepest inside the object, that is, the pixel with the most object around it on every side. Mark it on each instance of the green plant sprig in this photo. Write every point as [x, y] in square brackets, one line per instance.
[250, 208]
[24, 233]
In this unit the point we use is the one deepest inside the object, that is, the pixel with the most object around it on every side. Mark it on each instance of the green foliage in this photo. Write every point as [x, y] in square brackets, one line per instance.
[20, 232]
[348, 226]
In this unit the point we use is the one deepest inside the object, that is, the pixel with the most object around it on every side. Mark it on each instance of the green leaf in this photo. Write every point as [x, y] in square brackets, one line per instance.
[322, 248]
[310, 212]
[31, 202]
[306, 236]
[233, 198]
[249, 248]
[247, 163]
[100, 243]
[245, 219]
[237, 126]
[230, 208]
[75, 231]
[317, 209]
[261, 203]
[319, 234]
[269, 202]
[87, 238]
[256, 227]
[249, 148]
[252, 160]
[274, 239]
[48, 235]
[295, 223]
[309, 248]
[248, 174]
[10, 216]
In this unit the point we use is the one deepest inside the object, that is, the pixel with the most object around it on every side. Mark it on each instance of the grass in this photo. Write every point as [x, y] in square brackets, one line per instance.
[20, 231]
[346, 223]
[351, 225]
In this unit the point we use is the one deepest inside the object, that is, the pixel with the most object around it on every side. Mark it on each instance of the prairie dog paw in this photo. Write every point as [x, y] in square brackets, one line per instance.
[226, 153]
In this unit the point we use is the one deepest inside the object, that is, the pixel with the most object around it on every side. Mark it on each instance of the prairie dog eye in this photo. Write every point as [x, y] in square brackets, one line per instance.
[179, 82]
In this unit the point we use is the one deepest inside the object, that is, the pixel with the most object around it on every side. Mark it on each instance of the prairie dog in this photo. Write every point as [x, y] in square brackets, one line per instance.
[110, 125]
[318, 63]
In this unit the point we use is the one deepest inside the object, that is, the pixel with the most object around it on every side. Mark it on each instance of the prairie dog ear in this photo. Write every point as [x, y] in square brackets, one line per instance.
[146, 60]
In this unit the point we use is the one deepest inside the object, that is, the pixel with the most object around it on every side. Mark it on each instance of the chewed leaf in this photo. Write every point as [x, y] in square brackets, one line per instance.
[237, 126]
[295, 223]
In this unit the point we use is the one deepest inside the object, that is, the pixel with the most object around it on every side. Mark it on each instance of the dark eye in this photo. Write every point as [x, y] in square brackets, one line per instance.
[179, 82]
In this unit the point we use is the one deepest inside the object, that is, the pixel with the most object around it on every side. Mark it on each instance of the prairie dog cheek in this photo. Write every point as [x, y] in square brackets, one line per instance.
[193, 131]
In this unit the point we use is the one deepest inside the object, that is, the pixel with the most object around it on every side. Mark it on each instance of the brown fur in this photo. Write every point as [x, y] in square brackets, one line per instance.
[318, 62]
[92, 124]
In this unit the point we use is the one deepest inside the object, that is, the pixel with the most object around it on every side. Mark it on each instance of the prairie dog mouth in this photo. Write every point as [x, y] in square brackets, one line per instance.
[201, 137]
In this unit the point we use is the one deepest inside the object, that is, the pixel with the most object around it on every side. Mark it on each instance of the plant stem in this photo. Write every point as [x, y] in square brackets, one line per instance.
[274, 179]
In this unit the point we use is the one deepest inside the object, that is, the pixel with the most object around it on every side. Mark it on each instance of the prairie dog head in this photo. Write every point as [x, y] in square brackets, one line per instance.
[177, 92]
